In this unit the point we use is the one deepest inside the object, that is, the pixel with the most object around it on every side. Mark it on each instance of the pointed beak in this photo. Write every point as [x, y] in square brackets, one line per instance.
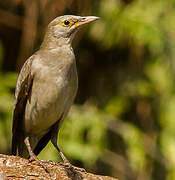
[85, 20]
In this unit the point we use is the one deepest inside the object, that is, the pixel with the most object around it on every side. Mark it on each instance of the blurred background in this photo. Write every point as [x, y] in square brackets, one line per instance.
[123, 121]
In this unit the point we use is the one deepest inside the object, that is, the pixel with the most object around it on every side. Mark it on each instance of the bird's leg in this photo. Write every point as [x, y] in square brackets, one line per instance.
[66, 161]
[54, 138]
[31, 153]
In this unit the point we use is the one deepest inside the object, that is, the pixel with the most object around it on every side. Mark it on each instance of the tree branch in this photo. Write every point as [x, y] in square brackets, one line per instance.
[13, 167]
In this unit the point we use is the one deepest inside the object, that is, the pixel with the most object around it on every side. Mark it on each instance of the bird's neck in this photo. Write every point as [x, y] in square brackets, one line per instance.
[51, 42]
[59, 51]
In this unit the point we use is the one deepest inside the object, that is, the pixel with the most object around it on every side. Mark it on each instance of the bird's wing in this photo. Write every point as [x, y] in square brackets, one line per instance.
[22, 93]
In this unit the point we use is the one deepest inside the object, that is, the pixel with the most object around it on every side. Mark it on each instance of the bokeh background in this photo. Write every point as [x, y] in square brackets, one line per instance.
[123, 121]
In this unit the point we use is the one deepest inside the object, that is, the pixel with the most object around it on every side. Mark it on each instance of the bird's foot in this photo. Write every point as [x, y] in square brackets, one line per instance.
[40, 162]
[33, 156]
[79, 169]
[68, 165]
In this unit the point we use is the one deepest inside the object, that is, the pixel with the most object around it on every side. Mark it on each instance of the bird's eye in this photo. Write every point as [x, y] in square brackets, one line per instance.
[66, 22]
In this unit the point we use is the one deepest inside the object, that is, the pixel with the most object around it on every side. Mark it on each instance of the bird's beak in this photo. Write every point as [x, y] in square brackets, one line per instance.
[85, 20]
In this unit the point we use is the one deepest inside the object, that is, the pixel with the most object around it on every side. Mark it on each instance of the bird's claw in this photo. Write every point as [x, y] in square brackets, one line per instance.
[78, 169]
[31, 159]
[70, 166]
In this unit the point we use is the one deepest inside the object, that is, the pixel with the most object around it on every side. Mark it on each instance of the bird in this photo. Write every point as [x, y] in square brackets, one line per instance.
[46, 88]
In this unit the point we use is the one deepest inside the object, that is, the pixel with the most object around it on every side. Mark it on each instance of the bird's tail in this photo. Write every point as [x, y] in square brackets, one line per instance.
[18, 146]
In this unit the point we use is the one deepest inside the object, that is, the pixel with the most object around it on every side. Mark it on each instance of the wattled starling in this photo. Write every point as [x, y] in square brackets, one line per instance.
[46, 88]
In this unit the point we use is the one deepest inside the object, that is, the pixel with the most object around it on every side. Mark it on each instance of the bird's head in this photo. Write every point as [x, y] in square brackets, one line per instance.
[66, 26]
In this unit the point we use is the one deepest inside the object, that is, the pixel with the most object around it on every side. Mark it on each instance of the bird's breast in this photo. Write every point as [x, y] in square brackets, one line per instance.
[53, 91]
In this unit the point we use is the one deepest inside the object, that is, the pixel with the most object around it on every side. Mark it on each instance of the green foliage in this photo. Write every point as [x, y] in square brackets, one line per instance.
[146, 28]
[7, 84]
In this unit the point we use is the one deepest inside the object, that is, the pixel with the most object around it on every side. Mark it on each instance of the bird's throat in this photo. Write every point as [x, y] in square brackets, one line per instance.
[52, 42]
